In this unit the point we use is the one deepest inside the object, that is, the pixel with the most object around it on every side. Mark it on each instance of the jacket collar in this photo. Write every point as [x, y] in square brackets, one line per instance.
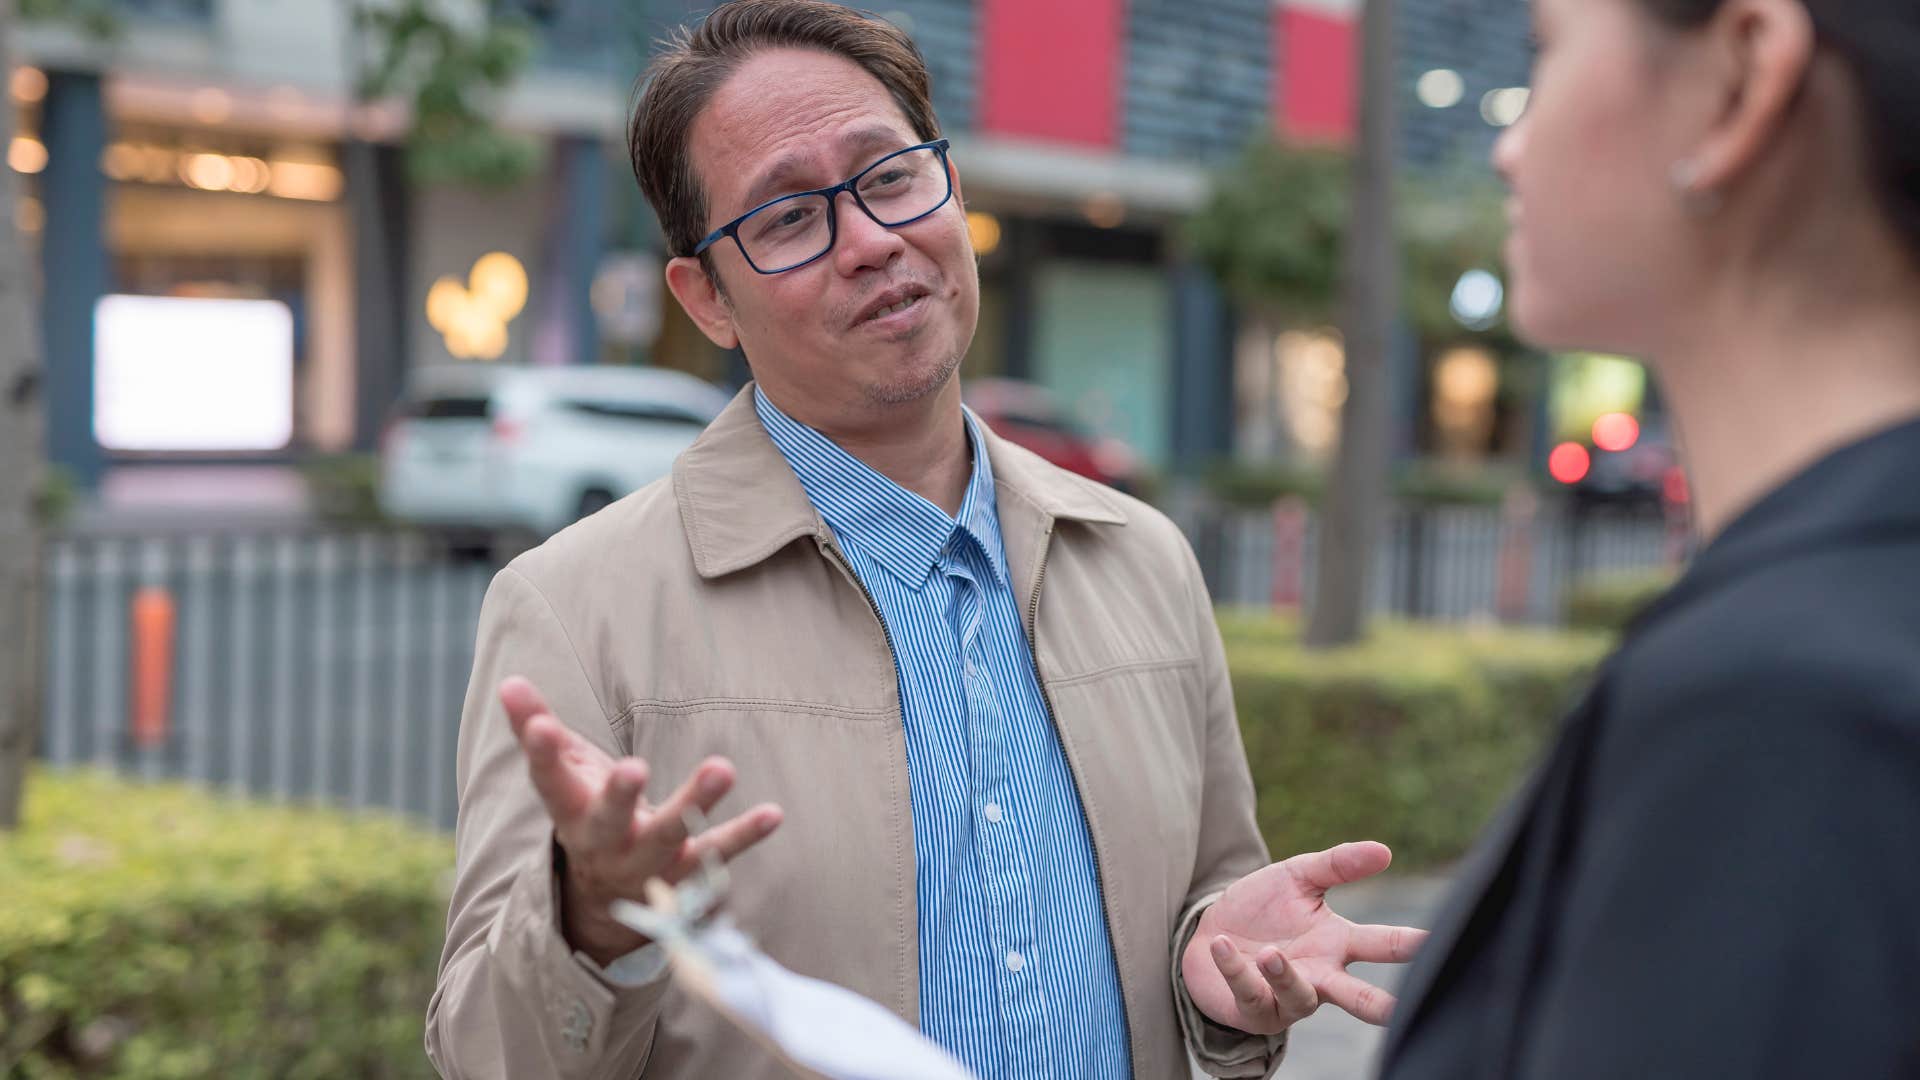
[740, 501]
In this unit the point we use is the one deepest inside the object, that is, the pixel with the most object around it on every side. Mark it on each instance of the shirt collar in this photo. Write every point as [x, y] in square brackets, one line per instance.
[902, 531]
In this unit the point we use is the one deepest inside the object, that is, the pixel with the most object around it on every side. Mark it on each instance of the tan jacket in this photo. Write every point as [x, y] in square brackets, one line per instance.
[713, 614]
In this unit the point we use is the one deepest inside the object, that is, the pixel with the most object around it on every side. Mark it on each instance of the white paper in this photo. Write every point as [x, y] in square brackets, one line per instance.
[827, 1028]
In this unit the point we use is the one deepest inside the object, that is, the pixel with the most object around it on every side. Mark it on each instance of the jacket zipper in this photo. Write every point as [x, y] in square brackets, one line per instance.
[873, 605]
[1046, 698]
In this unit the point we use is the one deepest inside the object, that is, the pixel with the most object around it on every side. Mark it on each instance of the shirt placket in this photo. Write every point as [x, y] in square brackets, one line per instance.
[1007, 884]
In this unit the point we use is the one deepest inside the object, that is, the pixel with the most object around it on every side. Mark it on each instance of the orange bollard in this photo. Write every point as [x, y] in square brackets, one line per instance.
[1289, 552]
[153, 623]
[1514, 574]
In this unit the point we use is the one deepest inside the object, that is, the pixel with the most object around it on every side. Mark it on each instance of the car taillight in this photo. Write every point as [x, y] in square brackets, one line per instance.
[1674, 486]
[1111, 456]
[1569, 463]
[506, 431]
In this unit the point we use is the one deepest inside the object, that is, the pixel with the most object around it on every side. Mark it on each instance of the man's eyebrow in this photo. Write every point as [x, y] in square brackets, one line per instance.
[777, 177]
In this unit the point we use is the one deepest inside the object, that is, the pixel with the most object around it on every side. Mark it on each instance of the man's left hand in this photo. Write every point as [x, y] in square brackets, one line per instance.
[1270, 950]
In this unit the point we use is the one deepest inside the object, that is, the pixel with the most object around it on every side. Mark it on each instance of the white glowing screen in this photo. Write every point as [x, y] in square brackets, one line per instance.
[175, 373]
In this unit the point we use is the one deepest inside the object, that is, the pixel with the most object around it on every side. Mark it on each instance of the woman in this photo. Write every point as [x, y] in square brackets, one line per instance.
[1716, 872]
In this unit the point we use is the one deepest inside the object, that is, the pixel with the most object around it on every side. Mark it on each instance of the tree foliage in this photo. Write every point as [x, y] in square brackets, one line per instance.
[1274, 232]
[453, 71]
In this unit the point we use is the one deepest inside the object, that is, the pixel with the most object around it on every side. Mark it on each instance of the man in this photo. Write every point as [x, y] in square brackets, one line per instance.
[984, 701]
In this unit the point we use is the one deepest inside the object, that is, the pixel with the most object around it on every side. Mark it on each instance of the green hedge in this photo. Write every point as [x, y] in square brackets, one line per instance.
[1609, 603]
[1258, 486]
[156, 932]
[1412, 738]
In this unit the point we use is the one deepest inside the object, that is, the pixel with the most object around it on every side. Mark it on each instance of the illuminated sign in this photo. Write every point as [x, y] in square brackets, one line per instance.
[188, 374]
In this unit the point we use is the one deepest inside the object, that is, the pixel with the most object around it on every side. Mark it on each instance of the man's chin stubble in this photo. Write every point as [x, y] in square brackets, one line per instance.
[914, 386]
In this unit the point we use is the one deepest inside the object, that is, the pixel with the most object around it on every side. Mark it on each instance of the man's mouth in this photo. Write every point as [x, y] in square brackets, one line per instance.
[892, 302]
[889, 310]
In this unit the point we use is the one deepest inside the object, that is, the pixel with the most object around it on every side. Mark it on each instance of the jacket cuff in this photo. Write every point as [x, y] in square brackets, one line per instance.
[1220, 1050]
[578, 1007]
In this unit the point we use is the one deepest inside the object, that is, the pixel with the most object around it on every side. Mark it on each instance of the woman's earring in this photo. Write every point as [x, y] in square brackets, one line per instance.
[1685, 178]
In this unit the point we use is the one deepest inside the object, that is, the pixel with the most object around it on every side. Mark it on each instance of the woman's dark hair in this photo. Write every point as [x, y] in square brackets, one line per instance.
[1879, 41]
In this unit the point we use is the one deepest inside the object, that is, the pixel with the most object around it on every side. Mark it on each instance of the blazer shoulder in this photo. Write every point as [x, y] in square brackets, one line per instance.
[1837, 632]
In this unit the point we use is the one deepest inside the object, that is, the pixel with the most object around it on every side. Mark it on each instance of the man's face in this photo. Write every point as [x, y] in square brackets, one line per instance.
[791, 120]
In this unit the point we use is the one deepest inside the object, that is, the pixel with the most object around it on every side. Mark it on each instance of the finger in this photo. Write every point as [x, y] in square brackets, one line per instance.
[548, 746]
[1250, 990]
[1293, 995]
[611, 824]
[1384, 944]
[707, 785]
[1340, 865]
[523, 702]
[1357, 996]
[729, 838]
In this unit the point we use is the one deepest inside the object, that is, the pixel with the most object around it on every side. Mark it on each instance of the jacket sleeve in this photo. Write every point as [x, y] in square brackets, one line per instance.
[1744, 901]
[512, 999]
[1230, 848]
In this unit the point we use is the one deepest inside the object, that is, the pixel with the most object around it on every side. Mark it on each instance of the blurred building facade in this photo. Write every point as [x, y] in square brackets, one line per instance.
[213, 151]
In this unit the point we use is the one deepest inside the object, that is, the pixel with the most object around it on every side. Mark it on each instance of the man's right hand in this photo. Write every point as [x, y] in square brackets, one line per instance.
[614, 841]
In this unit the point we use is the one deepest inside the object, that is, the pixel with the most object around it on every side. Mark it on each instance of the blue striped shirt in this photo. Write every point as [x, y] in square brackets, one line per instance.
[1017, 974]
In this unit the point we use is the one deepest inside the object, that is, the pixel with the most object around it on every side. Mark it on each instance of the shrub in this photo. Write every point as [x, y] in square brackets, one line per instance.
[1609, 603]
[1412, 738]
[153, 931]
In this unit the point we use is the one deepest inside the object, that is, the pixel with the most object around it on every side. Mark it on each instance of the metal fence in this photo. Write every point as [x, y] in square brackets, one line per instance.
[331, 667]
[328, 668]
[1435, 562]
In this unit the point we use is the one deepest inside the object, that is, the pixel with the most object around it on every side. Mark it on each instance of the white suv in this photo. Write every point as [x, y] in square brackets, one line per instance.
[497, 449]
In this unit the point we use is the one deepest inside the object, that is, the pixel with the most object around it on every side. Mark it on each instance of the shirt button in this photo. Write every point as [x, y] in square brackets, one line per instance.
[992, 810]
[1015, 961]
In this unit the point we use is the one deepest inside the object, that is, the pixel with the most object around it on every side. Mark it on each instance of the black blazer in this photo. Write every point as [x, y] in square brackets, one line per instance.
[1716, 871]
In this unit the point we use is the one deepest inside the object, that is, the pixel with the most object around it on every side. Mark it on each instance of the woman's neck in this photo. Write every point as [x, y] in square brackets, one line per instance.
[1764, 384]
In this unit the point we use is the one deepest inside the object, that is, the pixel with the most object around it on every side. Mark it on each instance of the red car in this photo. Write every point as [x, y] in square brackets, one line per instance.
[1027, 415]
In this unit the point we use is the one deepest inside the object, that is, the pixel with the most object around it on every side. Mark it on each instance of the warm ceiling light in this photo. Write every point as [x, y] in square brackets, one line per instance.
[208, 172]
[500, 282]
[157, 164]
[27, 154]
[308, 180]
[120, 161]
[28, 85]
[250, 175]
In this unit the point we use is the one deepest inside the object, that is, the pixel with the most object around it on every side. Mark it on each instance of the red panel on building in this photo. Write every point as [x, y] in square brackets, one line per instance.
[1316, 53]
[1052, 70]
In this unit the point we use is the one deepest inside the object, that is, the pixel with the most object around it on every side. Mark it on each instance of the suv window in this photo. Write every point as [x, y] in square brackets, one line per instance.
[638, 412]
[450, 408]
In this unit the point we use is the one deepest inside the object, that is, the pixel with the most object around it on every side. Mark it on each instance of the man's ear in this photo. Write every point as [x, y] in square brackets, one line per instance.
[703, 301]
[953, 172]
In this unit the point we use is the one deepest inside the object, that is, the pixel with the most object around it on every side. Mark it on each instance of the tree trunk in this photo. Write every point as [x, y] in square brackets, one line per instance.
[1355, 501]
[21, 470]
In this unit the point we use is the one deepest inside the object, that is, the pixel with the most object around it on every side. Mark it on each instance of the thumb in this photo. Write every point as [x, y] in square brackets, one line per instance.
[523, 702]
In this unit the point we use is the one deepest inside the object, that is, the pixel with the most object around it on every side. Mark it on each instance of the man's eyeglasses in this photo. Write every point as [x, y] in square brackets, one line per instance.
[794, 230]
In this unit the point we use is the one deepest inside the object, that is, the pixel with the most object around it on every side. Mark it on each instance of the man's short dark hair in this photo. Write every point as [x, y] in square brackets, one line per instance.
[697, 62]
